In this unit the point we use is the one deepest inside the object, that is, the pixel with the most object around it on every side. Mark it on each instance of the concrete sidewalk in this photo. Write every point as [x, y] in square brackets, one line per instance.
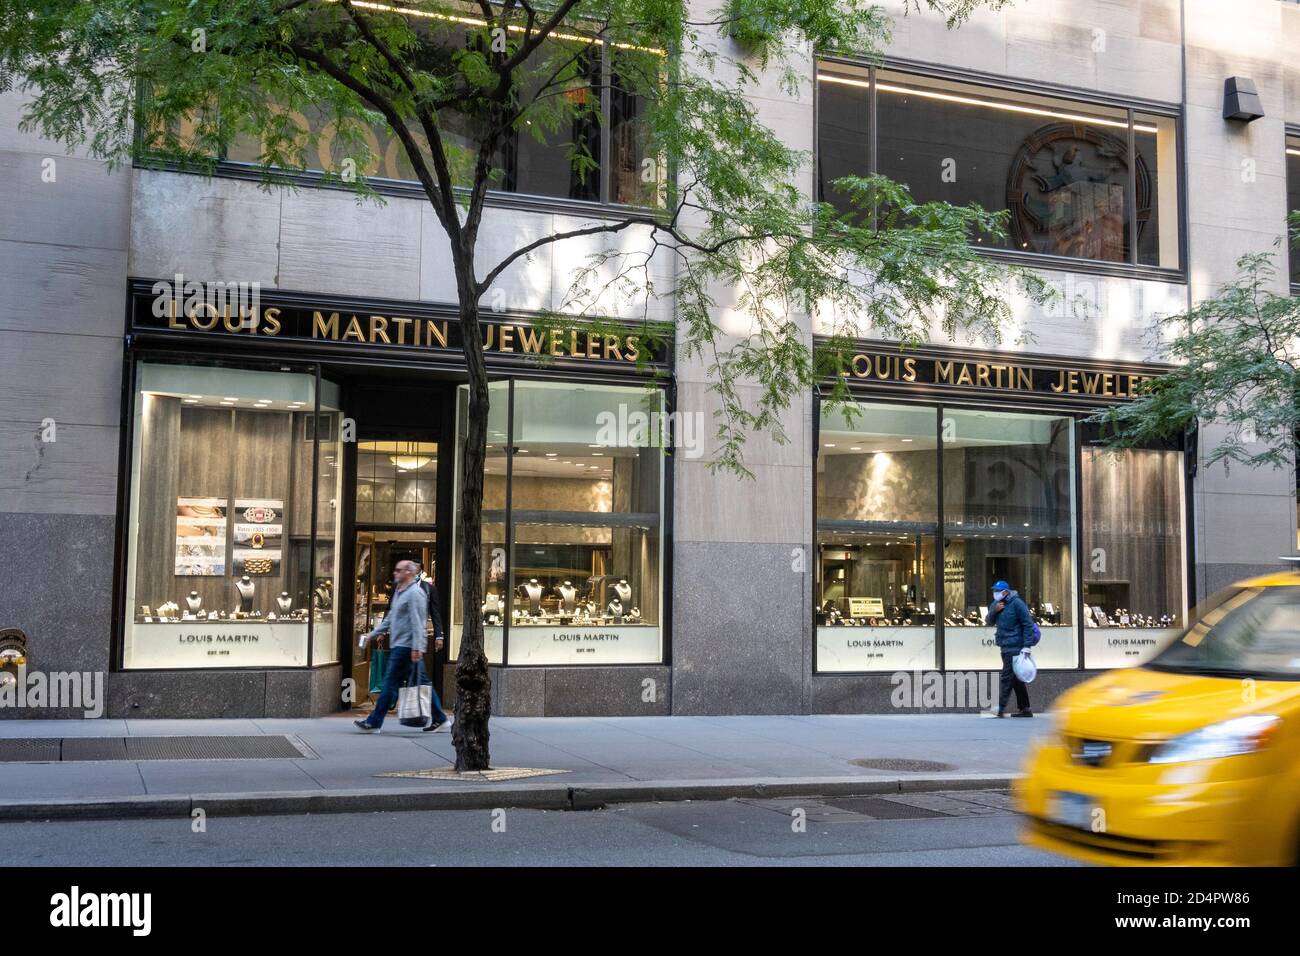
[605, 760]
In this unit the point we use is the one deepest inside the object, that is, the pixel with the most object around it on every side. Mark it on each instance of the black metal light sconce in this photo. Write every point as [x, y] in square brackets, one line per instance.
[1241, 100]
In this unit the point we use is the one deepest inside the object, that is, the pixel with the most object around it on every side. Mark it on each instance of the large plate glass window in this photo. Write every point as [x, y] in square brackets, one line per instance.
[877, 521]
[1293, 201]
[224, 567]
[1009, 515]
[1133, 580]
[585, 498]
[492, 527]
[1079, 180]
[597, 148]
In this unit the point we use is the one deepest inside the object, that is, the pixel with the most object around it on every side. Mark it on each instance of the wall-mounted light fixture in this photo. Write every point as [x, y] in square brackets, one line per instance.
[1241, 100]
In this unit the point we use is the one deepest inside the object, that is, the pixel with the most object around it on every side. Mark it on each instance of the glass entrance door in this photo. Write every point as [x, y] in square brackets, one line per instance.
[377, 555]
[396, 520]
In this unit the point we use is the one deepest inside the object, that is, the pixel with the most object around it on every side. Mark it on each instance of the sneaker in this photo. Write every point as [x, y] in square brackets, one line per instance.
[434, 728]
[364, 727]
[1023, 713]
[992, 713]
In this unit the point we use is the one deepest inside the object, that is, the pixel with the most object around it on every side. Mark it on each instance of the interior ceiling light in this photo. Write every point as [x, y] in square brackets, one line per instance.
[408, 458]
[988, 104]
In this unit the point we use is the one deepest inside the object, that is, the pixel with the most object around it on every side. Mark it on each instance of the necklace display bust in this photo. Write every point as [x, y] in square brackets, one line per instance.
[246, 592]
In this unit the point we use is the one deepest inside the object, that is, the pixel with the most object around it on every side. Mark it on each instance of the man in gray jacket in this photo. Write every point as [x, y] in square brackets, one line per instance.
[404, 625]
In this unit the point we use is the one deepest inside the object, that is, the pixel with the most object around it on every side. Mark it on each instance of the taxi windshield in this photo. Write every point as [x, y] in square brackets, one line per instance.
[1254, 633]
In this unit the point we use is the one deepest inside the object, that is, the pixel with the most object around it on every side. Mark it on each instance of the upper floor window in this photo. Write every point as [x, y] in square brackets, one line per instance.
[1079, 180]
[593, 147]
[1293, 199]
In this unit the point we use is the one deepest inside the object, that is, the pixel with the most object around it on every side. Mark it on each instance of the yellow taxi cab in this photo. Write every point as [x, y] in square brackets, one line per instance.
[1192, 759]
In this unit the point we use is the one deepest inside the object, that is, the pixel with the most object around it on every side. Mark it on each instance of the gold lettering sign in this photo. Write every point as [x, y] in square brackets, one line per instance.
[994, 375]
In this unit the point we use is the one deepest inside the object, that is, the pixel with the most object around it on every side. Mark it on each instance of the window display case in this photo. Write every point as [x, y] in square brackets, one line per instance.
[578, 582]
[225, 566]
[1134, 583]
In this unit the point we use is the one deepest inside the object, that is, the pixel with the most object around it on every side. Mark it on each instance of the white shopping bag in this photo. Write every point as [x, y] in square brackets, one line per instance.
[414, 706]
[1024, 667]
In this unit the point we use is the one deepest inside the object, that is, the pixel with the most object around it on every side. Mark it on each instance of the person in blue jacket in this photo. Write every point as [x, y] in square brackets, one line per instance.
[1013, 632]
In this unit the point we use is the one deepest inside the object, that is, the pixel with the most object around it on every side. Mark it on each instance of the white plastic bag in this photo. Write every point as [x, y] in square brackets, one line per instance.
[1024, 667]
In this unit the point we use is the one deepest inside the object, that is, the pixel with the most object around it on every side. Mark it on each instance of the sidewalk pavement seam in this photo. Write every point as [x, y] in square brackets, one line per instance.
[486, 796]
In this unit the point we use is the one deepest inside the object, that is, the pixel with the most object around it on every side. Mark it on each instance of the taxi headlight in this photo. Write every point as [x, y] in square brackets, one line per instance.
[1228, 738]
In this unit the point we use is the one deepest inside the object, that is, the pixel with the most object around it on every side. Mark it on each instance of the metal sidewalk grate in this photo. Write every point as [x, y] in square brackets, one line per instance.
[33, 748]
[65, 749]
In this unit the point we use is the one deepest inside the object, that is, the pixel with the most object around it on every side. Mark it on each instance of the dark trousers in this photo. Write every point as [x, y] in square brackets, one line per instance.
[1009, 681]
[399, 672]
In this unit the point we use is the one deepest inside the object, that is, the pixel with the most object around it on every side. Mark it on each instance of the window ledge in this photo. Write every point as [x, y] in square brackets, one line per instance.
[1127, 270]
[413, 190]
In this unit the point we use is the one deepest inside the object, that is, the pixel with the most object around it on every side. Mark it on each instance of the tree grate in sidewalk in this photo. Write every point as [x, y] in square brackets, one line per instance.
[221, 747]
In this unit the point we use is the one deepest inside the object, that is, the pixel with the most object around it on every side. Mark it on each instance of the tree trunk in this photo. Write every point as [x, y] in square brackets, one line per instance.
[469, 733]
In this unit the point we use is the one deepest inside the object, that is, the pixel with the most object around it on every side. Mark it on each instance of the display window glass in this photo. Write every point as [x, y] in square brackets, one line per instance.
[877, 520]
[572, 532]
[891, 582]
[1009, 515]
[224, 565]
[1134, 556]
[1061, 168]
[598, 148]
[492, 529]
[1293, 201]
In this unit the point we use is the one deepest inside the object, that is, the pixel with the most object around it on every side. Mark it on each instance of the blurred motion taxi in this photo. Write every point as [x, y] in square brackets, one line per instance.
[1192, 759]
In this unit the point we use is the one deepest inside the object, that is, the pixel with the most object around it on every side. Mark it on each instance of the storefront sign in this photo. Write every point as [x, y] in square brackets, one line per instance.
[584, 645]
[383, 328]
[1107, 647]
[973, 648]
[217, 644]
[1007, 377]
[854, 649]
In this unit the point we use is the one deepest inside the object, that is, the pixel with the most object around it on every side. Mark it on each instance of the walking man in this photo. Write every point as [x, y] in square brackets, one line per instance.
[404, 625]
[1014, 631]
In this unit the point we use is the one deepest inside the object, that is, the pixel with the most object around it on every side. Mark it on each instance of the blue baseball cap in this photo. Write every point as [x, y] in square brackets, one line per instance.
[1001, 586]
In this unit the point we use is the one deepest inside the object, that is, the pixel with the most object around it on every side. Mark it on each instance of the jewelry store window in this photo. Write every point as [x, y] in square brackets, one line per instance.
[225, 567]
[1079, 180]
[877, 520]
[1001, 488]
[572, 528]
[1009, 515]
[1134, 582]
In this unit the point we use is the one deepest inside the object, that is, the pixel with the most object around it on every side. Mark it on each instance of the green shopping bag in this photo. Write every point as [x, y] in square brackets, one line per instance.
[378, 667]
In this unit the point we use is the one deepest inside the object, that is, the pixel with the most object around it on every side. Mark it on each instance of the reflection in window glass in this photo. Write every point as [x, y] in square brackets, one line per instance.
[1061, 168]
[220, 555]
[586, 492]
[492, 528]
[1008, 487]
[877, 515]
[1293, 200]
[1133, 539]
[843, 131]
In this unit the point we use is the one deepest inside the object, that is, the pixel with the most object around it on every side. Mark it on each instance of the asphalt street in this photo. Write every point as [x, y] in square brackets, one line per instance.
[958, 828]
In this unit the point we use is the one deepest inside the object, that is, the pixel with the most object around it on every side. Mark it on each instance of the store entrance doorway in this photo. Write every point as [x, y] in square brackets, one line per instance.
[377, 555]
